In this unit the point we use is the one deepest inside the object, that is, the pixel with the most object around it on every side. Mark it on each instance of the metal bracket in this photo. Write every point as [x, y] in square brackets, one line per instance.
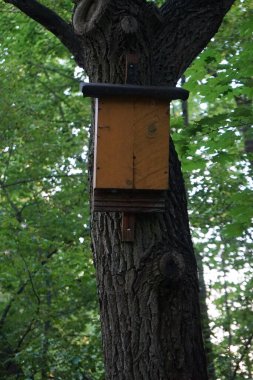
[132, 72]
[128, 227]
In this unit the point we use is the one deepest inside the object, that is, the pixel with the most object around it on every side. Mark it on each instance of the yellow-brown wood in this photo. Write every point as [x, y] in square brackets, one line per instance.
[114, 145]
[132, 144]
[151, 145]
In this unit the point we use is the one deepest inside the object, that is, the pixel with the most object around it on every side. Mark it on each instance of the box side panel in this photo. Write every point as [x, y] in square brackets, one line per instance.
[95, 144]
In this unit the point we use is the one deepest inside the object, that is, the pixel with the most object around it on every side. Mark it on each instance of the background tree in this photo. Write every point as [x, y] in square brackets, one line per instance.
[147, 227]
[48, 307]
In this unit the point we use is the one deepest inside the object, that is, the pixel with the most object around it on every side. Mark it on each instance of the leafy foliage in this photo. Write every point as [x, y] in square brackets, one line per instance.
[218, 171]
[48, 297]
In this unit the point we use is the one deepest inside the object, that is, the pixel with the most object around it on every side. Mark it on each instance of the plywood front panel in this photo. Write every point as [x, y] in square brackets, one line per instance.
[132, 144]
[151, 144]
[113, 167]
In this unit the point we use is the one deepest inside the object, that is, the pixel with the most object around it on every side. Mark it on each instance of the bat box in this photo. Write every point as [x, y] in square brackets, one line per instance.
[131, 153]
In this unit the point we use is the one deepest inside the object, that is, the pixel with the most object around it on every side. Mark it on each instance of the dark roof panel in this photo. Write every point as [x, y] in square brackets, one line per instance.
[102, 90]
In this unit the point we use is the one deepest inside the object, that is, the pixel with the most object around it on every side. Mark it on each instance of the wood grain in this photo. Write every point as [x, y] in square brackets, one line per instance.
[151, 144]
[132, 144]
[114, 145]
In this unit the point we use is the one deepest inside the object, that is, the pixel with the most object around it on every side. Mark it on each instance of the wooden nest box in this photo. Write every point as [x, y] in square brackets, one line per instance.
[131, 155]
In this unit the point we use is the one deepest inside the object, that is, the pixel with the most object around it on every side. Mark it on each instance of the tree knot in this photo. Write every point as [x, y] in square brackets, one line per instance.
[129, 24]
[172, 267]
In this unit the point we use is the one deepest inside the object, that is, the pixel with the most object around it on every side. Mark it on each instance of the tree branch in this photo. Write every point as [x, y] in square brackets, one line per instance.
[245, 349]
[52, 22]
[39, 179]
[30, 278]
[27, 331]
[187, 27]
[18, 214]
[22, 287]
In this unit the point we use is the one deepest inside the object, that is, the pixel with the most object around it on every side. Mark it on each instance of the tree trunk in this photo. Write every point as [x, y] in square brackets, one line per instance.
[148, 289]
[149, 294]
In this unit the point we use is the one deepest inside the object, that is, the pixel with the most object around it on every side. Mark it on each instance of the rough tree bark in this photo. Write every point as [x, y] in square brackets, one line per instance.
[206, 330]
[148, 290]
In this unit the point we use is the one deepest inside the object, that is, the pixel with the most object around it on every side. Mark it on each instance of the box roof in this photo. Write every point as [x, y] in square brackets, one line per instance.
[103, 90]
